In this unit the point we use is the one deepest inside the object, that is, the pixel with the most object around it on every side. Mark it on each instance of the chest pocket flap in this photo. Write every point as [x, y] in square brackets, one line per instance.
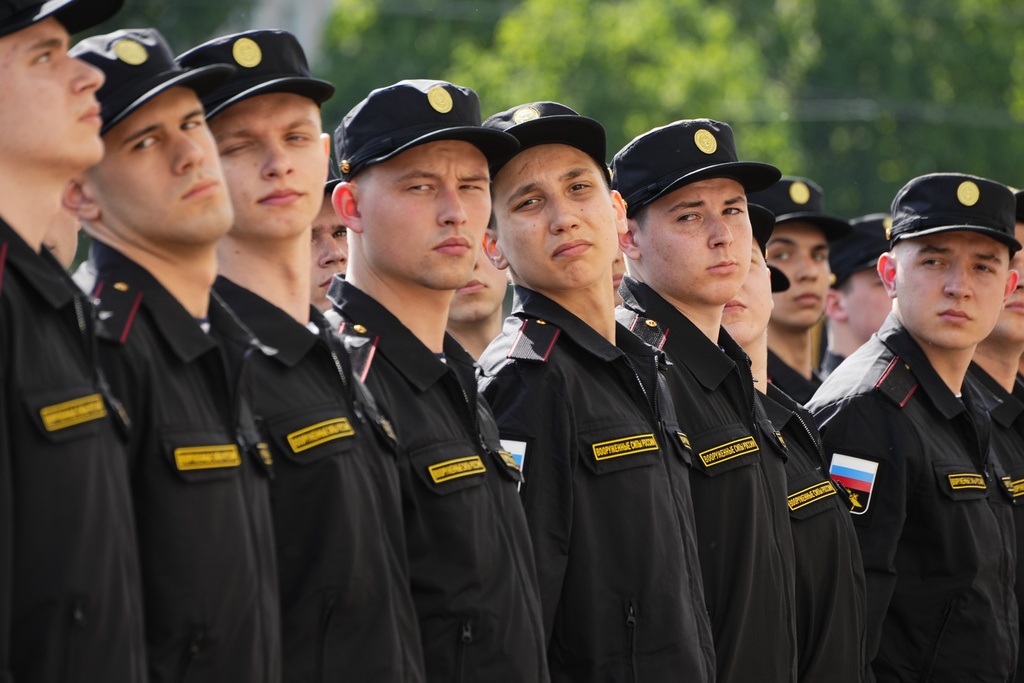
[66, 414]
[724, 449]
[960, 482]
[201, 456]
[308, 436]
[450, 467]
[811, 493]
[621, 447]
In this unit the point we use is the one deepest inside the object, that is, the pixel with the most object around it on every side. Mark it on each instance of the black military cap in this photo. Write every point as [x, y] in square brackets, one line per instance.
[333, 179]
[74, 15]
[266, 61]
[1019, 197]
[800, 199]
[945, 202]
[861, 248]
[139, 65]
[399, 117]
[550, 123]
[762, 223]
[666, 158]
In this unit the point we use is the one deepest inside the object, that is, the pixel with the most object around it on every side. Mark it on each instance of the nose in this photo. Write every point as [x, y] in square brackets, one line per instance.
[278, 163]
[956, 283]
[720, 233]
[451, 211]
[564, 215]
[188, 152]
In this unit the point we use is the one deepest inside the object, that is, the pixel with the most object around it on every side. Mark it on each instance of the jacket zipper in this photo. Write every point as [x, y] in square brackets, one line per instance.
[325, 624]
[465, 640]
[631, 627]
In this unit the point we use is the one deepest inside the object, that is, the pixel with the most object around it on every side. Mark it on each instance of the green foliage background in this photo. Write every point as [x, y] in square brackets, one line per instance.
[860, 96]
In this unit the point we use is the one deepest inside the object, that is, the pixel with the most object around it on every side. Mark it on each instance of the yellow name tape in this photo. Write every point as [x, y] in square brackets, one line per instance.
[206, 457]
[810, 494]
[454, 469]
[728, 451]
[629, 445]
[71, 413]
[320, 433]
[966, 481]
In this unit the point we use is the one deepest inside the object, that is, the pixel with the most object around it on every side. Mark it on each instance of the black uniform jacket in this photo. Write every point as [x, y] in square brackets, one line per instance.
[829, 362]
[199, 479]
[1007, 413]
[938, 557]
[70, 596]
[344, 581]
[474, 582]
[796, 386]
[829, 573]
[606, 494]
[739, 491]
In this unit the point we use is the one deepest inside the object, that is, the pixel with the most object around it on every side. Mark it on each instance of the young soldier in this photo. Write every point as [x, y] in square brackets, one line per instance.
[474, 318]
[70, 597]
[586, 406]
[344, 583]
[688, 254]
[415, 196]
[907, 436]
[155, 207]
[329, 247]
[995, 369]
[799, 248]
[829, 574]
[856, 304]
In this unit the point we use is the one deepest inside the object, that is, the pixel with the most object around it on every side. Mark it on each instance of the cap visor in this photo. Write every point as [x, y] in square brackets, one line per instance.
[200, 80]
[1010, 242]
[752, 175]
[313, 88]
[833, 226]
[780, 283]
[585, 134]
[74, 15]
[494, 144]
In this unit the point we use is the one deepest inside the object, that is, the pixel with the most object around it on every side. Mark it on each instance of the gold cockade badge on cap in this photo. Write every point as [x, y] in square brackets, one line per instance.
[247, 52]
[131, 51]
[968, 193]
[887, 224]
[799, 193]
[705, 141]
[440, 99]
[524, 114]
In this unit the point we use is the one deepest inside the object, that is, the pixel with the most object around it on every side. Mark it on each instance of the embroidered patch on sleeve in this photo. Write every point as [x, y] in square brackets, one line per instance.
[728, 451]
[514, 449]
[454, 469]
[858, 476]
[320, 433]
[627, 445]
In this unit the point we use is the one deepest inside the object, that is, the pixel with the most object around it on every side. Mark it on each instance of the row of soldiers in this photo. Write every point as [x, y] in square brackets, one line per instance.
[208, 478]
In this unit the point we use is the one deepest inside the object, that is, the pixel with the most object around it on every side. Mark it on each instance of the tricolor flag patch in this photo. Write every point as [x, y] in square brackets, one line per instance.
[858, 476]
[517, 449]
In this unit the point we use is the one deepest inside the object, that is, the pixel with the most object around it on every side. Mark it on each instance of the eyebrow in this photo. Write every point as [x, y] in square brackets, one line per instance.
[700, 202]
[571, 174]
[247, 133]
[52, 42]
[157, 126]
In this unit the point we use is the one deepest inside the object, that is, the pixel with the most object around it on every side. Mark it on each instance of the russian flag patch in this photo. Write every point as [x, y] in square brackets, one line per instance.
[858, 476]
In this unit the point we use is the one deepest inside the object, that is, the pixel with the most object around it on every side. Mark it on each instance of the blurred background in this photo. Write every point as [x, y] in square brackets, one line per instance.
[859, 96]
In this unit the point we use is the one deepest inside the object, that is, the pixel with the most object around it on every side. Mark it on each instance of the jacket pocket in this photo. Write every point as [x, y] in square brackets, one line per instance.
[311, 435]
[465, 642]
[199, 456]
[960, 482]
[450, 467]
[632, 628]
[66, 414]
[934, 655]
[724, 449]
[326, 620]
[811, 493]
[619, 447]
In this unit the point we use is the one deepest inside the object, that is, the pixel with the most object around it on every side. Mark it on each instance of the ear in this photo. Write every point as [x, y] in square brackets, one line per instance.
[493, 251]
[78, 201]
[1011, 284]
[325, 139]
[346, 204]
[835, 306]
[628, 243]
[619, 211]
[887, 271]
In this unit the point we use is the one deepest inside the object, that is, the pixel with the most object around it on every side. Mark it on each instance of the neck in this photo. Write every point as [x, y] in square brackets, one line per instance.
[793, 347]
[1000, 360]
[949, 364]
[842, 341]
[275, 270]
[476, 336]
[29, 203]
[422, 310]
[187, 274]
[594, 305]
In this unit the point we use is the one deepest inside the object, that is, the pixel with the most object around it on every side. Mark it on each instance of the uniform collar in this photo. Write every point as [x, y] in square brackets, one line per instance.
[414, 360]
[271, 325]
[174, 324]
[898, 340]
[707, 361]
[40, 269]
[1008, 407]
[528, 303]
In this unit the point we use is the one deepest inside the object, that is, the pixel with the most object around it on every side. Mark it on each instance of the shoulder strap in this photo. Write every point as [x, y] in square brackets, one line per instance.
[897, 383]
[535, 341]
[117, 304]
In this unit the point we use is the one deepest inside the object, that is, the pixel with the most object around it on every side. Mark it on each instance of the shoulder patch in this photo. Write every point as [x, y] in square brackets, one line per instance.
[648, 330]
[857, 475]
[535, 341]
[897, 383]
[117, 304]
[361, 347]
[3, 260]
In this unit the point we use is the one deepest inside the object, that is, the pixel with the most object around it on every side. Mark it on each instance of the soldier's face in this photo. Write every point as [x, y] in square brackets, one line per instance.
[329, 253]
[693, 245]
[557, 223]
[49, 118]
[1010, 327]
[800, 250]
[746, 316]
[482, 296]
[274, 156]
[160, 180]
[417, 220]
[860, 303]
[949, 287]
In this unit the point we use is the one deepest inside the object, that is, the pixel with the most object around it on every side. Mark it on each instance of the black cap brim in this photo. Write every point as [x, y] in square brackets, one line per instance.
[313, 88]
[494, 144]
[201, 80]
[780, 283]
[752, 175]
[581, 132]
[834, 227]
[998, 236]
[74, 15]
